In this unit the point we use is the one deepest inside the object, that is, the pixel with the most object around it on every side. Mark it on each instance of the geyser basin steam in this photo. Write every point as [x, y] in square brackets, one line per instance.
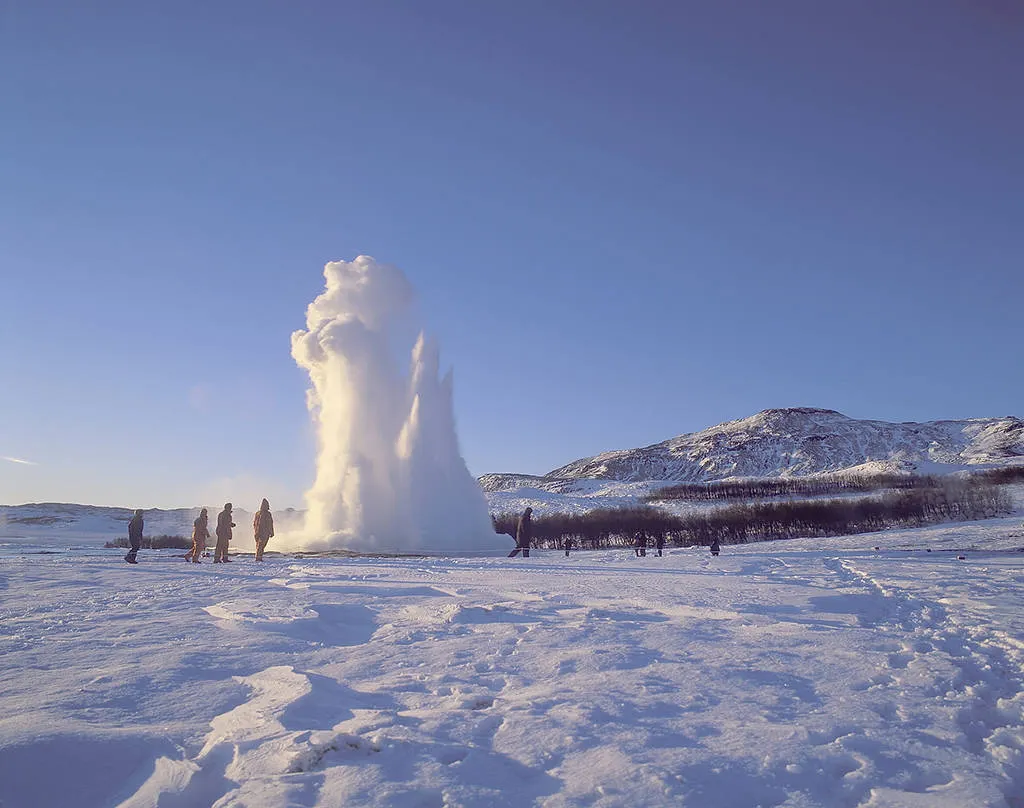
[389, 473]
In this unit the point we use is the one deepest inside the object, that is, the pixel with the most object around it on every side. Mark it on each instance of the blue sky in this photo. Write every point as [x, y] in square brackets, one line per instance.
[624, 222]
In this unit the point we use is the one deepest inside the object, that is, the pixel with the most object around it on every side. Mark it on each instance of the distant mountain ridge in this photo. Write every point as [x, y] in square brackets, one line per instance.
[92, 520]
[796, 441]
[792, 442]
[70, 519]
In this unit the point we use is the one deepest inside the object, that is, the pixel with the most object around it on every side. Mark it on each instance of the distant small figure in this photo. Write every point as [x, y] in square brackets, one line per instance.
[524, 533]
[640, 544]
[659, 542]
[200, 533]
[134, 537]
[224, 525]
[262, 528]
[568, 545]
[715, 548]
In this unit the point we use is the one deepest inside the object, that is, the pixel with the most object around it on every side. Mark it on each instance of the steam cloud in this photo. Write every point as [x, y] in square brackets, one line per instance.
[390, 476]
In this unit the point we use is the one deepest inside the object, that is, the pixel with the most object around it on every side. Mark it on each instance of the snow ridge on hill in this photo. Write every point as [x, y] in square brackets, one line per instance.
[792, 442]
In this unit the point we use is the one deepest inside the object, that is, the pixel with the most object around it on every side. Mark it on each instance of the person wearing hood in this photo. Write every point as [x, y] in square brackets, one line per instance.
[200, 533]
[134, 537]
[524, 533]
[224, 525]
[262, 528]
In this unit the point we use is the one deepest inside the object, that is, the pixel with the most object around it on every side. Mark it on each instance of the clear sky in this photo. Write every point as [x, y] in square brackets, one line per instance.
[625, 221]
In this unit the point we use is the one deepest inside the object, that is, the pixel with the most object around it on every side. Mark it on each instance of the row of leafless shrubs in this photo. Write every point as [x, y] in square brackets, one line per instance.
[603, 527]
[162, 542]
[821, 485]
[1001, 476]
[950, 500]
[791, 486]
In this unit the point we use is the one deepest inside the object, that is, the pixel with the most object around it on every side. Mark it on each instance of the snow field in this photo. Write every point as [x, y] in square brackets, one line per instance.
[788, 674]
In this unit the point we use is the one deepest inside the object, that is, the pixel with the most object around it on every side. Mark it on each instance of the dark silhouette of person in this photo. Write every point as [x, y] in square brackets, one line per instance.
[524, 533]
[200, 533]
[568, 545]
[262, 528]
[134, 537]
[659, 542]
[715, 548]
[224, 525]
[640, 544]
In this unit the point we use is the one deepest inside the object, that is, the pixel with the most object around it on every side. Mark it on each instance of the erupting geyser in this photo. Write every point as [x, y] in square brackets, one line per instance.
[389, 473]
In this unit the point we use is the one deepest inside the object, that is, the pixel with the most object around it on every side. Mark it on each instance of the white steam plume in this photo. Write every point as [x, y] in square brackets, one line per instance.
[390, 476]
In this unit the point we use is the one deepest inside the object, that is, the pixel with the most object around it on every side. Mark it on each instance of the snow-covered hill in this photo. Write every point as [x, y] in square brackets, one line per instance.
[794, 442]
[91, 522]
[52, 518]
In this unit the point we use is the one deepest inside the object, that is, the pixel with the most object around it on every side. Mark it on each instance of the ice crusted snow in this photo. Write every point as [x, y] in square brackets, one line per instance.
[802, 673]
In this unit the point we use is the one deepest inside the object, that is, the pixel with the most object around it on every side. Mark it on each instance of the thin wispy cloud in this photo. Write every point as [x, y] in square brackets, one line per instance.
[18, 460]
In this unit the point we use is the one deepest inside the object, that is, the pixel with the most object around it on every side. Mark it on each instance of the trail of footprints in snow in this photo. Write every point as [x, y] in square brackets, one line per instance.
[985, 672]
[250, 744]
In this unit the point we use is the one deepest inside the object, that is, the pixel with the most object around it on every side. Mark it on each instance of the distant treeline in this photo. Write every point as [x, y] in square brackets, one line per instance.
[949, 500]
[819, 486]
[162, 542]
[1001, 476]
[603, 527]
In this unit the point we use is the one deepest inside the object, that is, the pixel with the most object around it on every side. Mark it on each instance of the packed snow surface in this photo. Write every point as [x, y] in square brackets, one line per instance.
[802, 673]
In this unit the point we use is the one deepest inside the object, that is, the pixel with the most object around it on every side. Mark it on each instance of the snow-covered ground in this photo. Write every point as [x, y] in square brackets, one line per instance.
[801, 673]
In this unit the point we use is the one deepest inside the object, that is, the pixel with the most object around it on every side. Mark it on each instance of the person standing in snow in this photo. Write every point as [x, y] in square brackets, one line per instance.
[200, 533]
[715, 548]
[262, 528]
[659, 542]
[640, 543]
[134, 537]
[224, 525]
[568, 545]
[524, 533]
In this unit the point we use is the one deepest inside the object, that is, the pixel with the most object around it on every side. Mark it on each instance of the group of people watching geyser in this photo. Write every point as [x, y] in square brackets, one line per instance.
[262, 527]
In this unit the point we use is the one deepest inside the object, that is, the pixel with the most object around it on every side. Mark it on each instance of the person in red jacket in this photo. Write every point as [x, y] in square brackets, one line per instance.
[262, 528]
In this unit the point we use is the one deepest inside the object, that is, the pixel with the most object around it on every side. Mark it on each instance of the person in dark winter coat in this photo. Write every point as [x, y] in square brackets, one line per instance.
[262, 528]
[200, 533]
[134, 537]
[640, 543]
[568, 545]
[659, 542]
[524, 534]
[224, 525]
[715, 548]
